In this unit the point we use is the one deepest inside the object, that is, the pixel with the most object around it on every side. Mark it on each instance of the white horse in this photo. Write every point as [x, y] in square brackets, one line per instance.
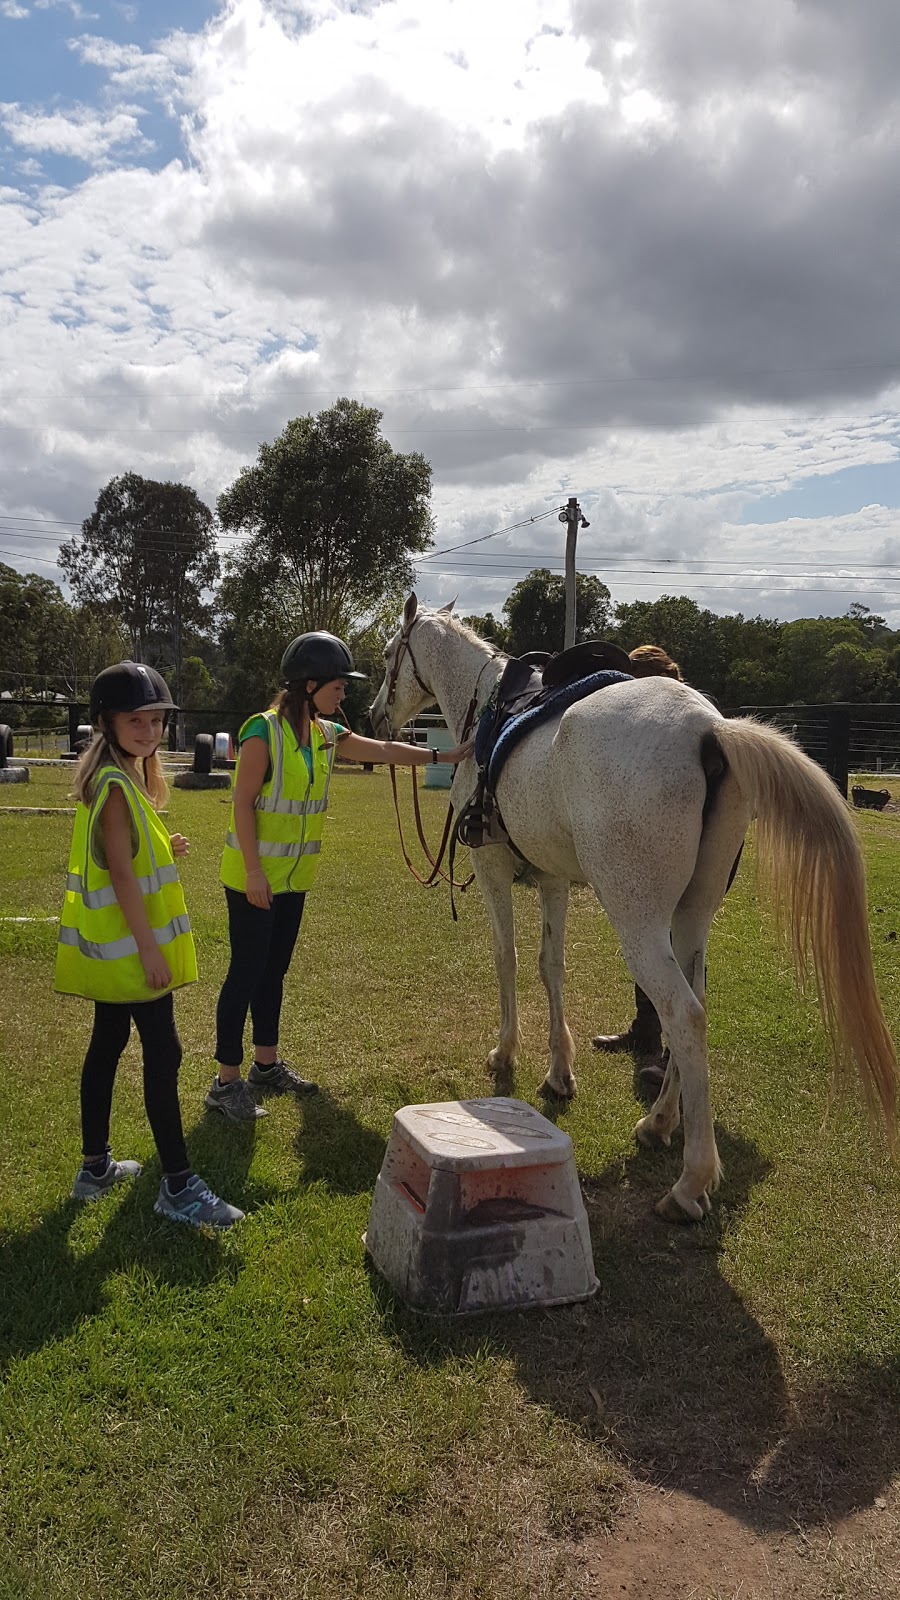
[644, 791]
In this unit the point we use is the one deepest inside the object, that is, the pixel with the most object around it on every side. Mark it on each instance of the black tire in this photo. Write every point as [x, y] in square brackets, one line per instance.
[6, 743]
[203, 752]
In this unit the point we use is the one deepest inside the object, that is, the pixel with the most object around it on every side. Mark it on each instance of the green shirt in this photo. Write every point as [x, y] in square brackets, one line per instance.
[256, 729]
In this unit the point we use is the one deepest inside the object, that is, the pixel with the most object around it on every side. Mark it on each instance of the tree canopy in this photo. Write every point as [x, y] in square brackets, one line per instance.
[536, 611]
[334, 516]
[149, 550]
[48, 646]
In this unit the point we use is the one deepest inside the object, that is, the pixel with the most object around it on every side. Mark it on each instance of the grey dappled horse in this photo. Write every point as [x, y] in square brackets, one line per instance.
[645, 792]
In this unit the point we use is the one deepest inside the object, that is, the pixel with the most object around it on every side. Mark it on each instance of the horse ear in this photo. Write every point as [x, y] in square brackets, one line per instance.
[447, 610]
[410, 609]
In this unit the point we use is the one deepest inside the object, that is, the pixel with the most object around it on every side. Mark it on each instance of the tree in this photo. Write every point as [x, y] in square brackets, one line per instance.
[333, 515]
[490, 628]
[148, 549]
[692, 636]
[35, 625]
[804, 654]
[536, 611]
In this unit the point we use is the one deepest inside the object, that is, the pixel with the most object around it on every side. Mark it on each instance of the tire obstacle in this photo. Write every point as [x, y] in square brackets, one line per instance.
[201, 775]
[10, 774]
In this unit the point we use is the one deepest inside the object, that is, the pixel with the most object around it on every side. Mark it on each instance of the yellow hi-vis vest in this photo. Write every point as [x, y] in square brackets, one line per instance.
[290, 812]
[97, 954]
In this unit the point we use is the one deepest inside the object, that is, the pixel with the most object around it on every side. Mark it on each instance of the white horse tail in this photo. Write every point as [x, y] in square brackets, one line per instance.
[812, 864]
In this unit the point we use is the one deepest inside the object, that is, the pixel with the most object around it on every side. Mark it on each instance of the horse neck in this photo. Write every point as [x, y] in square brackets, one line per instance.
[457, 666]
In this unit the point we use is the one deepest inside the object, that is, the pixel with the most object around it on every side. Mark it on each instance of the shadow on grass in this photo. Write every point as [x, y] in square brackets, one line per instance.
[47, 1286]
[668, 1369]
[333, 1148]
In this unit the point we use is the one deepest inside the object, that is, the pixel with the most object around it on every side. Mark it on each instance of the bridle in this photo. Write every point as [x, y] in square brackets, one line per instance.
[404, 649]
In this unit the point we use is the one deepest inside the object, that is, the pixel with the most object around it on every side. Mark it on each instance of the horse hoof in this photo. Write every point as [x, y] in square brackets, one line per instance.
[650, 1137]
[681, 1212]
[553, 1091]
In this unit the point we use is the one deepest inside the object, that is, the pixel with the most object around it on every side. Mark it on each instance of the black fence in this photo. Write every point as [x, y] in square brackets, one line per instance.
[842, 737]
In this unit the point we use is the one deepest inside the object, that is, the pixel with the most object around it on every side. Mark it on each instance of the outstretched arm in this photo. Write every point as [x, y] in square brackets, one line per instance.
[394, 753]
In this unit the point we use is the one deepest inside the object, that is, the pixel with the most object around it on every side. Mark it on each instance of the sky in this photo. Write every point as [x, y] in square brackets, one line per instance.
[638, 252]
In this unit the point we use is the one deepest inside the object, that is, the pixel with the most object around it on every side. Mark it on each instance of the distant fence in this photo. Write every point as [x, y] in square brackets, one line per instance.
[843, 737]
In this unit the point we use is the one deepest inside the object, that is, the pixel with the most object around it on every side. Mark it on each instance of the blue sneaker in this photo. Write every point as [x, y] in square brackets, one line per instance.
[87, 1187]
[196, 1205]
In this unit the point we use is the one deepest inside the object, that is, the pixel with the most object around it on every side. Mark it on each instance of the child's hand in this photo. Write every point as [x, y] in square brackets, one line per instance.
[156, 968]
[259, 889]
[180, 845]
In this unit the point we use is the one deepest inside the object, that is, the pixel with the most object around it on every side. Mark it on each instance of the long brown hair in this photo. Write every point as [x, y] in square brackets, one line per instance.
[104, 751]
[292, 701]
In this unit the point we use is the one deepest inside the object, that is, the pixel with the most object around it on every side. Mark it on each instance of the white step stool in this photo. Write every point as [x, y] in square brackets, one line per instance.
[478, 1207]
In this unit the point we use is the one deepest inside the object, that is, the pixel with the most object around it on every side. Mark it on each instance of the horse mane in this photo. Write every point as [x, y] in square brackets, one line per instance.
[464, 632]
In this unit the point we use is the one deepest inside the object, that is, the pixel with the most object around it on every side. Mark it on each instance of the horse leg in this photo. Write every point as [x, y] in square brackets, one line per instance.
[717, 860]
[560, 1079]
[495, 869]
[683, 1016]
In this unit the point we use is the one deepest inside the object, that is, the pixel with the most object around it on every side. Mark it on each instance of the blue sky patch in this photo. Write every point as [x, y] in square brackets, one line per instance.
[836, 494]
[43, 74]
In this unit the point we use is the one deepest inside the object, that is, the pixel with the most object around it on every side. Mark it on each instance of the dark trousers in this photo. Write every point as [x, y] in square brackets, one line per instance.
[161, 1046]
[262, 943]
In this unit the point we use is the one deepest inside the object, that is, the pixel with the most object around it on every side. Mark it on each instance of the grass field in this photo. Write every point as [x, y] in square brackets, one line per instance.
[254, 1417]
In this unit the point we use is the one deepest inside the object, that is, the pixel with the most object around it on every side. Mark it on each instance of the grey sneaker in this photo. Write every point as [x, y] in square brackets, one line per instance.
[196, 1205]
[234, 1100]
[280, 1079]
[87, 1187]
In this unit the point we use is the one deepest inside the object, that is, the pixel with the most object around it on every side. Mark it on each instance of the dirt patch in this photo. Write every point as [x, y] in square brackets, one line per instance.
[667, 1545]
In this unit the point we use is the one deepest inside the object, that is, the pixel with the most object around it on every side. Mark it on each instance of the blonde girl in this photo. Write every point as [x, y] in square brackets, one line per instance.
[125, 940]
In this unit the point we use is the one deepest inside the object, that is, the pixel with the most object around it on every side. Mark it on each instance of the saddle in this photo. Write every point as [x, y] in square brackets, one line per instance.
[532, 688]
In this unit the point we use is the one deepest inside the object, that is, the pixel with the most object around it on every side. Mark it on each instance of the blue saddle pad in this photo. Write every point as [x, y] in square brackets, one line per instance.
[514, 731]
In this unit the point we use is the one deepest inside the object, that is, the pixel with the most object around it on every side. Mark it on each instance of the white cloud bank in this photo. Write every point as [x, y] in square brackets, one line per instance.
[642, 253]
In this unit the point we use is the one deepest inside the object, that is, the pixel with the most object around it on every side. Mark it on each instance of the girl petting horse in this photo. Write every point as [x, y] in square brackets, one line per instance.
[645, 791]
[271, 856]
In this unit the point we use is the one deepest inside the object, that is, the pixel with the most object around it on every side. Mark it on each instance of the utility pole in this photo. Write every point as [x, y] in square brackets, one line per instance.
[574, 519]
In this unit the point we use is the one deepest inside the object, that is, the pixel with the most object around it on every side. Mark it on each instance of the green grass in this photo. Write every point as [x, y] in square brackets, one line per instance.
[257, 1416]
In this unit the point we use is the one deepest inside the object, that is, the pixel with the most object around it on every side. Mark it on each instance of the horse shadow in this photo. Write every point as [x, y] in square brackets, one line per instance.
[669, 1369]
[48, 1284]
[333, 1148]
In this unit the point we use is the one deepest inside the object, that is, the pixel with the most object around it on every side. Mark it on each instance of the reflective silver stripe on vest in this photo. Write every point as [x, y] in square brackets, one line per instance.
[115, 949]
[293, 808]
[97, 899]
[278, 763]
[266, 848]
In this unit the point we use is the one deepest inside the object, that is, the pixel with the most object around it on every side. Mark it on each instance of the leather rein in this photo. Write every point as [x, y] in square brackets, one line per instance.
[435, 862]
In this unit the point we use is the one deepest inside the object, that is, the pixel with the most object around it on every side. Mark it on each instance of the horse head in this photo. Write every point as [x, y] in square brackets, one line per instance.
[406, 689]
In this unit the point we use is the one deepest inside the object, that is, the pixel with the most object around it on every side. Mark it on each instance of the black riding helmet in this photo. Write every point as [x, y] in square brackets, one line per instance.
[320, 656]
[129, 686]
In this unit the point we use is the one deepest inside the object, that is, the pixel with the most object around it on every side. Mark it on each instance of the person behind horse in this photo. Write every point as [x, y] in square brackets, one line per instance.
[643, 1036]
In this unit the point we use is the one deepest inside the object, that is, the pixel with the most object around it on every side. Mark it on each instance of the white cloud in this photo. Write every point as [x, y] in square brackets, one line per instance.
[81, 133]
[649, 259]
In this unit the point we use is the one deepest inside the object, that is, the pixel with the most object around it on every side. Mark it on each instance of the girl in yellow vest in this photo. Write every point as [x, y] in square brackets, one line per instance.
[285, 762]
[125, 940]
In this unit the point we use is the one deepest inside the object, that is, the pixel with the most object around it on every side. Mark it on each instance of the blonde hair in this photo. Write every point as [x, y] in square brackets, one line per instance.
[103, 751]
[655, 663]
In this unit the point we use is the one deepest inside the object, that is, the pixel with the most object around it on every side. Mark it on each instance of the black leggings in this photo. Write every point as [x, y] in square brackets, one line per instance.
[155, 1020]
[262, 943]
